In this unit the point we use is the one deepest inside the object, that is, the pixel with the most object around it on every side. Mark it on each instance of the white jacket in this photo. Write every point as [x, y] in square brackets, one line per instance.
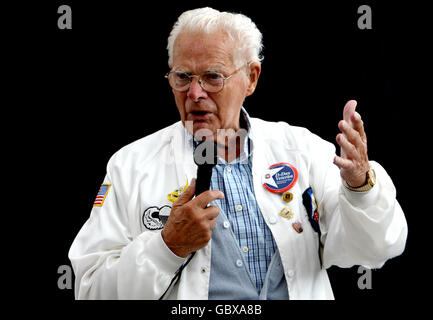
[114, 256]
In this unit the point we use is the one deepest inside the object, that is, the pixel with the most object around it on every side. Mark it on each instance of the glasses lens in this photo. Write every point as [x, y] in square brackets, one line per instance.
[212, 82]
[179, 80]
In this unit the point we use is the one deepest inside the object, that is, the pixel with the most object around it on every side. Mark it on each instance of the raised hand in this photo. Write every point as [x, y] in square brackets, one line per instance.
[353, 159]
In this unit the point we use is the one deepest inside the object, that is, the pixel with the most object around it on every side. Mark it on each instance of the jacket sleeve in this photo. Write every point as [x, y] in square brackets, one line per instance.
[358, 228]
[108, 263]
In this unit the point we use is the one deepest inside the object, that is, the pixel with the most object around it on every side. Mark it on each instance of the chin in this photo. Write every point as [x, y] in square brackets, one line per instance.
[203, 129]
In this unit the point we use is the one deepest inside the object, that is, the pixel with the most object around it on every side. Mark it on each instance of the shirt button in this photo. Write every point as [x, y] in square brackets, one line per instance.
[239, 263]
[229, 169]
[272, 220]
[245, 249]
[226, 224]
[203, 269]
[238, 207]
[290, 273]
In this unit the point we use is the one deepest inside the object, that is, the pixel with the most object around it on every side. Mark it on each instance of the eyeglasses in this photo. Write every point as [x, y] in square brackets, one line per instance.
[209, 81]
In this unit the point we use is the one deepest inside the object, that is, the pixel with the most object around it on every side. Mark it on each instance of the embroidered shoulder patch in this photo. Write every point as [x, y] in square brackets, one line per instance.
[102, 194]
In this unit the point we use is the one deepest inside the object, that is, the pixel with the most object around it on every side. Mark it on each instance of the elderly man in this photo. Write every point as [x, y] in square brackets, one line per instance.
[281, 207]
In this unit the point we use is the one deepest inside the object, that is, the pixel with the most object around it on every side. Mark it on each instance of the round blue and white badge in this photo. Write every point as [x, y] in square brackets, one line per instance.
[280, 177]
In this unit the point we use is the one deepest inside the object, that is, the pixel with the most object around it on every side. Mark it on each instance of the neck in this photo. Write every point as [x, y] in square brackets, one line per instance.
[230, 148]
[230, 152]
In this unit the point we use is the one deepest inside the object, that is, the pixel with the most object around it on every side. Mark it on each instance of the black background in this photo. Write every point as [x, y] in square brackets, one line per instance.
[80, 95]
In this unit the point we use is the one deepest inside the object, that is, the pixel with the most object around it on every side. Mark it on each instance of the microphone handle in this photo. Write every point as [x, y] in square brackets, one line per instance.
[204, 175]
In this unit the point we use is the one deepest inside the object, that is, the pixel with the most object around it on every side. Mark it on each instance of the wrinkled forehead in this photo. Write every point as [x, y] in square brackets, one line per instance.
[195, 51]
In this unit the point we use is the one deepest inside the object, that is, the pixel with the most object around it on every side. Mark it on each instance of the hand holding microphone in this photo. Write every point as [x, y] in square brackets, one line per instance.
[189, 226]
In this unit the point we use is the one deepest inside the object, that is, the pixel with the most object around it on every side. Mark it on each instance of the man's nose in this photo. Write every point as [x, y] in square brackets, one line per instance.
[195, 91]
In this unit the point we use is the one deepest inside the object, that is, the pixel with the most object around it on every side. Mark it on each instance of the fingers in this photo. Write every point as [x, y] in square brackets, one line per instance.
[189, 226]
[187, 195]
[353, 118]
[358, 125]
[351, 134]
[203, 199]
[211, 212]
[342, 163]
[348, 149]
[353, 138]
[353, 159]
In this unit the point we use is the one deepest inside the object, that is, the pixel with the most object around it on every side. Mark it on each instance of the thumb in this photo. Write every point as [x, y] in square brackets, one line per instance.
[188, 194]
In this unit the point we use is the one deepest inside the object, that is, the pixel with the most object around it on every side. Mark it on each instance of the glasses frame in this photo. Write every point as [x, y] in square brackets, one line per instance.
[200, 80]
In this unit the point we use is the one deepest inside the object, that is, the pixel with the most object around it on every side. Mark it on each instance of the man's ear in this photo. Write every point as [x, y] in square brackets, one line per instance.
[254, 74]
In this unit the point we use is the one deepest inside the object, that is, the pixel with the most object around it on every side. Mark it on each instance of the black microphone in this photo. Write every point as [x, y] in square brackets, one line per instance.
[205, 157]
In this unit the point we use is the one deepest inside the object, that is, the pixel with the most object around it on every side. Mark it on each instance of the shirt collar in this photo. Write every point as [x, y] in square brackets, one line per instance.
[248, 143]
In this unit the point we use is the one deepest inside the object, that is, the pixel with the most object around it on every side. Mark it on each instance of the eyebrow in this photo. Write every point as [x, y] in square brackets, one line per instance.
[218, 69]
[180, 70]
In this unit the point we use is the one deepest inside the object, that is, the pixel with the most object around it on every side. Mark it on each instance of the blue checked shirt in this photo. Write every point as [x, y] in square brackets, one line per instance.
[254, 238]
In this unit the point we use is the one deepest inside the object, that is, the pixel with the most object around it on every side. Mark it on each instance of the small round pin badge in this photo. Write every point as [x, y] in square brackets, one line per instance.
[280, 177]
[287, 196]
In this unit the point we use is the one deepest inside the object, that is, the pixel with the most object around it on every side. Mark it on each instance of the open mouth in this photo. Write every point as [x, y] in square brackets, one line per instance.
[199, 113]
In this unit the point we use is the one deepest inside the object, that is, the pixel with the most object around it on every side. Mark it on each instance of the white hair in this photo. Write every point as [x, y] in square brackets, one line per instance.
[240, 29]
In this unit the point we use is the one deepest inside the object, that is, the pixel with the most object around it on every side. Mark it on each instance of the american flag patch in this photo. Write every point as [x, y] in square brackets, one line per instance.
[102, 193]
